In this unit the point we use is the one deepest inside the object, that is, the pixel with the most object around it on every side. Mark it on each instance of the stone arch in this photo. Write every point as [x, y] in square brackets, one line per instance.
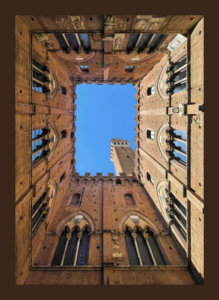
[52, 192]
[76, 182]
[84, 181]
[54, 138]
[110, 182]
[100, 182]
[125, 182]
[163, 205]
[149, 223]
[91, 182]
[135, 182]
[162, 135]
[66, 220]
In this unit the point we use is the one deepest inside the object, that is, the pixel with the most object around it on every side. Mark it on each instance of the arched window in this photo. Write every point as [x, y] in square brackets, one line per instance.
[149, 178]
[40, 80]
[118, 181]
[39, 211]
[177, 144]
[44, 142]
[142, 249]
[72, 249]
[75, 41]
[75, 199]
[129, 199]
[40, 142]
[150, 90]
[150, 134]
[174, 210]
[177, 76]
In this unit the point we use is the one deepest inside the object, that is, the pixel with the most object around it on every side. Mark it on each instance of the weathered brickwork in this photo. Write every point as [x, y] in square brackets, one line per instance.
[121, 49]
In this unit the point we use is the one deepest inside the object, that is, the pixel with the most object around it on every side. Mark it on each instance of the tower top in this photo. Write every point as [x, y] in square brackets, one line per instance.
[117, 143]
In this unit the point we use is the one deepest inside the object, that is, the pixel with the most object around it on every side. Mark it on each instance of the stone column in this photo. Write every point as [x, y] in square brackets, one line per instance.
[78, 244]
[134, 235]
[68, 236]
[145, 235]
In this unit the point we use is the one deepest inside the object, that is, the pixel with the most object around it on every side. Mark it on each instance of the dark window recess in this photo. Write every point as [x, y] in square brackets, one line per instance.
[84, 68]
[72, 135]
[83, 249]
[150, 134]
[63, 90]
[150, 178]
[133, 38]
[129, 199]
[180, 63]
[72, 161]
[180, 206]
[146, 37]
[63, 134]
[143, 249]
[130, 68]
[72, 40]
[62, 177]
[71, 250]
[84, 38]
[156, 41]
[61, 41]
[155, 249]
[150, 90]
[57, 258]
[38, 65]
[75, 199]
[118, 181]
[131, 250]
[180, 229]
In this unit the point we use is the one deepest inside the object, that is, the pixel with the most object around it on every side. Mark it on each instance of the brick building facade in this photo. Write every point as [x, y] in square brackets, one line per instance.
[144, 225]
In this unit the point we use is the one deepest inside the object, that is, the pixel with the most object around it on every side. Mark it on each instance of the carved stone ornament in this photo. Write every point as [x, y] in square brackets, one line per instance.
[116, 248]
[118, 41]
[175, 110]
[176, 42]
[78, 24]
[78, 219]
[109, 22]
[135, 219]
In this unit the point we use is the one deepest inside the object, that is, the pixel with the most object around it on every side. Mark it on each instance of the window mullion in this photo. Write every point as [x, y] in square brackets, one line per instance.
[134, 235]
[180, 69]
[68, 236]
[145, 235]
[78, 245]
[180, 81]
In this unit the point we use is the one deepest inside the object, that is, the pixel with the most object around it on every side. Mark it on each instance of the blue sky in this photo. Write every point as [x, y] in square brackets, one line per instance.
[103, 112]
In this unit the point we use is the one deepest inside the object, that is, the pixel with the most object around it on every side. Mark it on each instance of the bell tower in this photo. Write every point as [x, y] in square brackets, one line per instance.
[122, 156]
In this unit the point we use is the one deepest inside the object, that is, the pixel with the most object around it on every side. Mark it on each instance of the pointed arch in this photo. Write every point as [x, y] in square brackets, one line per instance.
[89, 219]
[150, 225]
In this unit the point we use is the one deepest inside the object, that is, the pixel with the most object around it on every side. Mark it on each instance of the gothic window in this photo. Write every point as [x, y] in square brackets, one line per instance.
[62, 177]
[130, 68]
[143, 249]
[39, 211]
[75, 199]
[84, 68]
[118, 181]
[150, 90]
[177, 144]
[75, 41]
[63, 90]
[129, 199]
[131, 250]
[63, 134]
[149, 178]
[57, 258]
[174, 210]
[40, 142]
[39, 77]
[177, 76]
[150, 134]
[72, 249]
